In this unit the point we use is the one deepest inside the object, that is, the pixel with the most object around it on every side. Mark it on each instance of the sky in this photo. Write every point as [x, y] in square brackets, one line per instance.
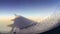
[37, 8]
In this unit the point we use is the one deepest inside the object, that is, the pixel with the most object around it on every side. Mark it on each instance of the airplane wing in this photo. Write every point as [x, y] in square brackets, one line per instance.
[22, 22]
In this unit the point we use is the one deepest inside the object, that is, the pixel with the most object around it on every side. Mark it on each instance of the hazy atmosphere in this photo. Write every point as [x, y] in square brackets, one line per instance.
[36, 10]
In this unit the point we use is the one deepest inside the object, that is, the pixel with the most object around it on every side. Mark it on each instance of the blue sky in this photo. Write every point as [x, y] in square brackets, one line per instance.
[39, 8]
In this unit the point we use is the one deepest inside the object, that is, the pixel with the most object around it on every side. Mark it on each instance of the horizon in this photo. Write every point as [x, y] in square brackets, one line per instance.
[36, 10]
